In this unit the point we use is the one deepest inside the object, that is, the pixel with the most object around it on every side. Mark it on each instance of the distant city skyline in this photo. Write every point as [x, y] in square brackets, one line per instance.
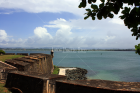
[45, 23]
[62, 48]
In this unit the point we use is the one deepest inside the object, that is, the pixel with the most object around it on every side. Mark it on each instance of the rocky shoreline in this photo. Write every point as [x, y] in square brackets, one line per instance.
[75, 74]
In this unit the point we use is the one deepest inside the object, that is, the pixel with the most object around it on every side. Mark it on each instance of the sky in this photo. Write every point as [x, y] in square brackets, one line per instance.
[53, 23]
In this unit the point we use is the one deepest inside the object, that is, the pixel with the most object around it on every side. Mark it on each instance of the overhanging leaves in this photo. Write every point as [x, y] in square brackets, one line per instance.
[89, 1]
[102, 0]
[93, 1]
[130, 15]
[137, 49]
[93, 6]
[93, 18]
[110, 15]
[99, 16]
[101, 5]
[86, 17]
[82, 4]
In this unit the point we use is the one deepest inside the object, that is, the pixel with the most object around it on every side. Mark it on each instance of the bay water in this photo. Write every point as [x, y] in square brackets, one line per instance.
[105, 65]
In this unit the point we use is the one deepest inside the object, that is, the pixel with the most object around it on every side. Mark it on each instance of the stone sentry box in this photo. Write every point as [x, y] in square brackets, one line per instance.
[32, 82]
[41, 63]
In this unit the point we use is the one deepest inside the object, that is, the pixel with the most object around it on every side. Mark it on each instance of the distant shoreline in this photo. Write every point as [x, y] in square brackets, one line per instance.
[66, 50]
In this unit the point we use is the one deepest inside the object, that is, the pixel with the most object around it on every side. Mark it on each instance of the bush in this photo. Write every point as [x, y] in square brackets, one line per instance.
[2, 52]
[56, 70]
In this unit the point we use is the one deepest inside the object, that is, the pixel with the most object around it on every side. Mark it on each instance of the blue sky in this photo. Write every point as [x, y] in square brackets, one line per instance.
[45, 23]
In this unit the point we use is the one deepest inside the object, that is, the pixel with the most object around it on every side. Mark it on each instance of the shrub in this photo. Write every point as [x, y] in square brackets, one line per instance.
[2, 52]
[56, 70]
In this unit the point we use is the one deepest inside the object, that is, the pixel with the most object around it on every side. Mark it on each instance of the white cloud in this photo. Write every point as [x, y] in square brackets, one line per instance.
[73, 23]
[96, 34]
[37, 6]
[42, 33]
[64, 27]
[41, 38]
[109, 37]
[101, 34]
[3, 35]
[6, 40]
[117, 21]
[105, 33]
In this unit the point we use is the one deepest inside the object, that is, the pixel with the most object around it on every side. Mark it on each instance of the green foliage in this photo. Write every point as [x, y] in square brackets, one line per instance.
[93, 6]
[2, 52]
[137, 48]
[56, 70]
[131, 16]
[82, 4]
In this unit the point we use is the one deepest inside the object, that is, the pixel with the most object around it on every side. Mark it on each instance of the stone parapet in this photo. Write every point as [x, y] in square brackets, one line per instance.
[32, 82]
[41, 63]
[96, 86]
[25, 54]
[9, 54]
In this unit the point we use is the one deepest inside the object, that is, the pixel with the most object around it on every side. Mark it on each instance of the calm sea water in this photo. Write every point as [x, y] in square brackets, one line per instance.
[106, 65]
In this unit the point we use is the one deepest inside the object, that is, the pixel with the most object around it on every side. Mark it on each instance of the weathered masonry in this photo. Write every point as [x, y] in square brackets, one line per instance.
[96, 86]
[9, 54]
[26, 54]
[5, 69]
[41, 63]
[32, 82]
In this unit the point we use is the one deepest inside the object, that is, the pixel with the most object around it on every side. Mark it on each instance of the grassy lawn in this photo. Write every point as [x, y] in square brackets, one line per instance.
[5, 57]
[56, 70]
[3, 89]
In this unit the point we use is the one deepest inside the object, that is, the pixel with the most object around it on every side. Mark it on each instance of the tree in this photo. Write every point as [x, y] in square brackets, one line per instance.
[130, 15]
[137, 48]
[2, 52]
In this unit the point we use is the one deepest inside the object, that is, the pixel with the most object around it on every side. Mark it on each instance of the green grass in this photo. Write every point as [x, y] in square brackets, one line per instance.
[3, 89]
[5, 57]
[56, 70]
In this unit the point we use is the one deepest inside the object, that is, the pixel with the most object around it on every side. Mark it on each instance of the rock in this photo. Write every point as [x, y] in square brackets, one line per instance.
[76, 74]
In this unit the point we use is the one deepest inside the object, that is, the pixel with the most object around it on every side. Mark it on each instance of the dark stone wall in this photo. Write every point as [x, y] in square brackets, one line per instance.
[26, 54]
[5, 69]
[25, 83]
[48, 64]
[35, 53]
[32, 82]
[72, 88]
[41, 63]
[96, 86]
[5, 73]
[20, 65]
[9, 54]
[52, 83]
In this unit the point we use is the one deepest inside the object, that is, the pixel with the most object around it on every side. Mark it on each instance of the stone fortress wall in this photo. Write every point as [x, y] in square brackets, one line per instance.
[33, 74]
[41, 63]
